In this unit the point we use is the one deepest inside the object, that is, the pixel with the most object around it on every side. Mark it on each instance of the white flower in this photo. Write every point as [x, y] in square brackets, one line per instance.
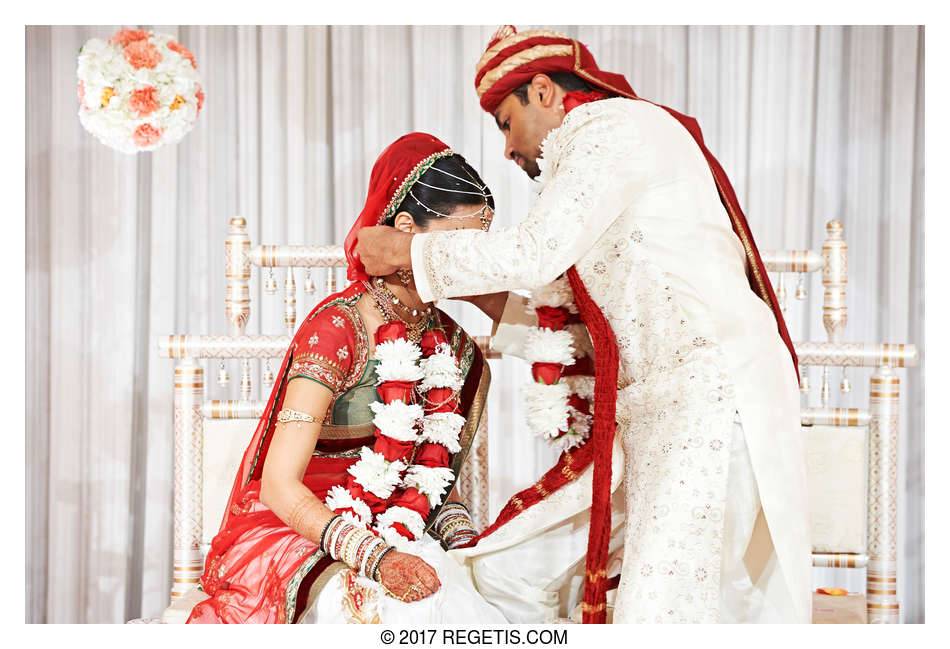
[108, 78]
[546, 407]
[580, 422]
[355, 520]
[582, 343]
[340, 498]
[398, 361]
[582, 386]
[443, 428]
[394, 538]
[557, 293]
[567, 441]
[375, 473]
[431, 481]
[549, 346]
[397, 419]
[441, 370]
[411, 520]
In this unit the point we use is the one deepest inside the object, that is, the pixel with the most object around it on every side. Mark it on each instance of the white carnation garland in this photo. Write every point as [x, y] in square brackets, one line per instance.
[401, 360]
[550, 416]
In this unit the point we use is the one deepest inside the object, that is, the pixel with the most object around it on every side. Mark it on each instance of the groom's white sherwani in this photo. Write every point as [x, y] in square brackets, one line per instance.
[629, 199]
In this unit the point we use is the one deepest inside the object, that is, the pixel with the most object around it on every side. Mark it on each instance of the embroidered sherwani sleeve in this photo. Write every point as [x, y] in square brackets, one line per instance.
[594, 169]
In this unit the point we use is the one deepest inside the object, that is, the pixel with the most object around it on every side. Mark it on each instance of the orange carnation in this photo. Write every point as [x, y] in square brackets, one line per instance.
[125, 36]
[146, 135]
[141, 54]
[144, 100]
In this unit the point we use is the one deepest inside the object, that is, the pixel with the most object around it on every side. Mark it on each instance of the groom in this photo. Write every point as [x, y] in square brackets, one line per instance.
[695, 373]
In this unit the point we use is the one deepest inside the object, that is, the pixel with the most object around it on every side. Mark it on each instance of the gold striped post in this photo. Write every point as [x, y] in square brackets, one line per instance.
[792, 261]
[856, 354]
[834, 278]
[839, 560]
[883, 607]
[835, 417]
[188, 558]
[232, 409]
[237, 271]
[298, 256]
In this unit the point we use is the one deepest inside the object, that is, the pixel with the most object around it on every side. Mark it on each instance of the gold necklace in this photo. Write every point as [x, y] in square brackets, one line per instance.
[389, 296]
[414, 330]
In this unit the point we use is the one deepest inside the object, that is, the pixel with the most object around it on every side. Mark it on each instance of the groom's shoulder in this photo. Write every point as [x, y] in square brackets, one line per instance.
[620, 116]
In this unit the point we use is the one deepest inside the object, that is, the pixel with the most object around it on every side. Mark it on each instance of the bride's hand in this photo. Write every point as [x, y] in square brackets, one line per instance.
[384, 250]
[407, 577]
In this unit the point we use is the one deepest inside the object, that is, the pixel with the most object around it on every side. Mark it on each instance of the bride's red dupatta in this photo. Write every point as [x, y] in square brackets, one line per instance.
[258, 568]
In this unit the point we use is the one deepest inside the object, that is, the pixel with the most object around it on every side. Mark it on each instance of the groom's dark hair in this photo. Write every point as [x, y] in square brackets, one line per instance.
[439, 196]
[569, 81]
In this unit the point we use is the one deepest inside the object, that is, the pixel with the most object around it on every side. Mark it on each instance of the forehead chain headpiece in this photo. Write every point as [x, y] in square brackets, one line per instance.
[481, 212]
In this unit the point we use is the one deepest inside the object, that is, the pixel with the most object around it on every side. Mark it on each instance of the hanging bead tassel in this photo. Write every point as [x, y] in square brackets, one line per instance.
[308, 286]
[804, 385]
[781, 293]
[825, 387]
[845, 383]
[245, 379]
[800, 291]
[290, 302]
[270, 284]
[223, 378]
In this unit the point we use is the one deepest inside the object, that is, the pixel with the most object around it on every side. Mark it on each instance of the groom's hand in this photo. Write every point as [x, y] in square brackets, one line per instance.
[384, 250]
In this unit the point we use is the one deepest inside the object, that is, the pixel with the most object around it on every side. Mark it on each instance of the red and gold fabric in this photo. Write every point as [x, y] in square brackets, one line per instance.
[258, 569]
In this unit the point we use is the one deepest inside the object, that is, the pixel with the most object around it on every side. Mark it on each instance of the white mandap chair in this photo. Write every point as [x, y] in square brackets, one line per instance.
[852, 453]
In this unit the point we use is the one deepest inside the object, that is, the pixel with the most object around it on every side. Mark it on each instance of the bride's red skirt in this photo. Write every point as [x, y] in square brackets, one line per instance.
[258, 568]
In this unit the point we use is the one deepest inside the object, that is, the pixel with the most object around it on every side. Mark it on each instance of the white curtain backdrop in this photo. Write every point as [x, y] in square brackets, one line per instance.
[811, 124]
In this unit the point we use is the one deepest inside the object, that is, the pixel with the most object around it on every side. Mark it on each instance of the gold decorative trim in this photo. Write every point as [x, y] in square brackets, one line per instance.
[511, 41]
[519, 59]
[466, 435]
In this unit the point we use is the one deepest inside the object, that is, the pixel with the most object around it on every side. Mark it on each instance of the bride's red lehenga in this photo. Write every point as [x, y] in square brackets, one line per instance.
[258, 569]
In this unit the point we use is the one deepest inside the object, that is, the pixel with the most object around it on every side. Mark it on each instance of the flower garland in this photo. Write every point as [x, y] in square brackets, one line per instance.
[138, 90]
[394, 484]
[559, 348]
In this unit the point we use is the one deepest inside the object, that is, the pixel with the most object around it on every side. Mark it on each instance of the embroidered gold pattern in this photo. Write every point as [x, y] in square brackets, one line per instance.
[360, 604]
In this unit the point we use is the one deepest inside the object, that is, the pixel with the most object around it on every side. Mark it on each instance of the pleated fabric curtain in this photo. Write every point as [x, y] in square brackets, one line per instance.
[811, 123]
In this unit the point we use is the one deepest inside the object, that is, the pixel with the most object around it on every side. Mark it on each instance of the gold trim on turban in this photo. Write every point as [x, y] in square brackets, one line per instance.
[519, 59]
[514, 39]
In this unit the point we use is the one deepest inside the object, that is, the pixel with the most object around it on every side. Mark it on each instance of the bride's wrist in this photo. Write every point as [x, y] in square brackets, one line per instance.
[355, 546]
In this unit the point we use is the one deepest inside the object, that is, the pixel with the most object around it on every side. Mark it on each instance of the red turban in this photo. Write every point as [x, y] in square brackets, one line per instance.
[397, 168]
[512, 59]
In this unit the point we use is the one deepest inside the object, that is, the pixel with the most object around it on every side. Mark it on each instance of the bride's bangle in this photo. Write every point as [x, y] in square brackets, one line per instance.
[454, 525]
[355, 546]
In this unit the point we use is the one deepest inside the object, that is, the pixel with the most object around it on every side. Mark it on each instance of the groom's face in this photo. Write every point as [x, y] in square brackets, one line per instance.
[525, 125]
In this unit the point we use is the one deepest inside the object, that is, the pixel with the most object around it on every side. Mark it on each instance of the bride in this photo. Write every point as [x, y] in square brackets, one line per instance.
[349, 479]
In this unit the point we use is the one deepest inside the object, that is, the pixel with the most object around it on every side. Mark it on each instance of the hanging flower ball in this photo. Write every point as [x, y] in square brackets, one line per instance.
[138, 90]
